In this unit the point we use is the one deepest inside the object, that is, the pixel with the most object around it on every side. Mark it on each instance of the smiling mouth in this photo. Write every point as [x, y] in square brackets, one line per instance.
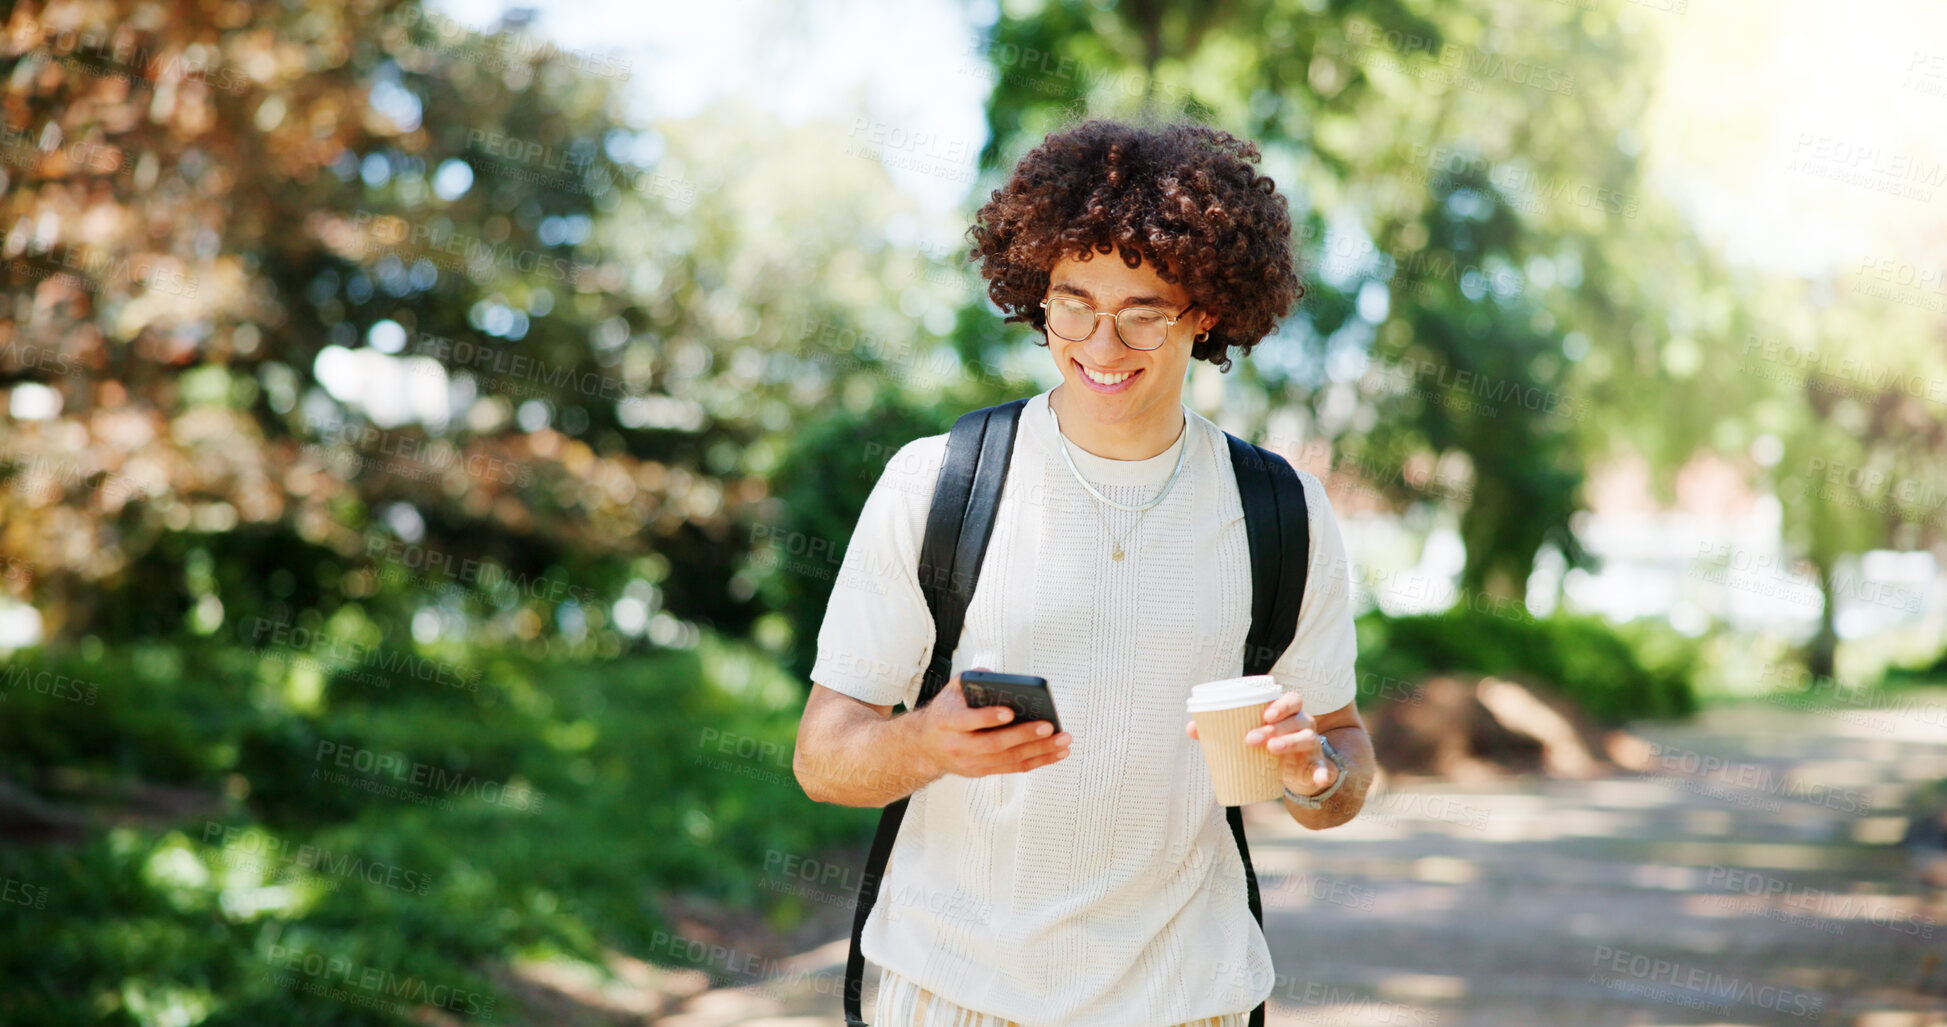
[1106, 379]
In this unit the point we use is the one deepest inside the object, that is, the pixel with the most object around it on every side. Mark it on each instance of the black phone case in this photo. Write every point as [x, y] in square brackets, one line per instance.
[1026, 695]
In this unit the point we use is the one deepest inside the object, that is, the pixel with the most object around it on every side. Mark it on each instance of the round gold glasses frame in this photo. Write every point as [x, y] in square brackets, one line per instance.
[1122, 333]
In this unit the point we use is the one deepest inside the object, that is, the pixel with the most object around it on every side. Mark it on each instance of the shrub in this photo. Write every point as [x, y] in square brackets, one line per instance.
[656, 774]
[1612, 674]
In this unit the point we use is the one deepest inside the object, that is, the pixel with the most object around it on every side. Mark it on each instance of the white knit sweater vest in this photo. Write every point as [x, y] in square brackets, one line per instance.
[1104, 889]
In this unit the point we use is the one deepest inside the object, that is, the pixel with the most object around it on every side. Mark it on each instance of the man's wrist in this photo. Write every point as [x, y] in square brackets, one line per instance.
[922, 763]
[1317, 799]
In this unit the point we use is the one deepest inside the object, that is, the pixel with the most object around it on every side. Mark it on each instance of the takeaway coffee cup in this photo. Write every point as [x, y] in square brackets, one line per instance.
[1224, 711]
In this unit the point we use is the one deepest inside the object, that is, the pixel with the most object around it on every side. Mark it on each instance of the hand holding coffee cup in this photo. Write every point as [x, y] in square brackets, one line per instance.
[1251, 731]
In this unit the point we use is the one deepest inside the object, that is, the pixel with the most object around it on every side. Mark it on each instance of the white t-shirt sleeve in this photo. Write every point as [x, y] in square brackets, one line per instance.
[1319, 663]
[877, 636]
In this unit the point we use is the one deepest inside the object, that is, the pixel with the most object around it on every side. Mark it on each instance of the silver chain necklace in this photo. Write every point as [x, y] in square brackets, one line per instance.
[1141, 509]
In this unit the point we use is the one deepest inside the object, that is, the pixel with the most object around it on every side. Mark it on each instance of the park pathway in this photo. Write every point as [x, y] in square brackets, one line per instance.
[1752, 875]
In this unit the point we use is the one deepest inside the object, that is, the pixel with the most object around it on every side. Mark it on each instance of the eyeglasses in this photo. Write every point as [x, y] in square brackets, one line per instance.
[1143, 328]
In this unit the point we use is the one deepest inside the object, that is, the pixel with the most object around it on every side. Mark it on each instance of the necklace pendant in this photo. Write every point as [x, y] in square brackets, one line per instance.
[1117, 556]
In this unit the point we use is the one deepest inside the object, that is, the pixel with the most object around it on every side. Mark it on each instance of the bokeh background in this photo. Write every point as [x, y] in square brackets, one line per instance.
[429, 433]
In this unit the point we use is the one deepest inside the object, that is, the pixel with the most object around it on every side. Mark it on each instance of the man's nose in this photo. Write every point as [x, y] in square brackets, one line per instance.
[1103, 343]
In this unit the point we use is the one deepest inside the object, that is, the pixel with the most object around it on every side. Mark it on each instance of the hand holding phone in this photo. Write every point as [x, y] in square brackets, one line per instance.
[979, 726]
[1025, 694]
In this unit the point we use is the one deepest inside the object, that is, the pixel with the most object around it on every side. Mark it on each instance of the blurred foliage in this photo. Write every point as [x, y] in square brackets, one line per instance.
[611, 792]
[400, 284]
[818, 493]
[376, 384]
[1932, 672]
[1605, 671]
[1411, 152]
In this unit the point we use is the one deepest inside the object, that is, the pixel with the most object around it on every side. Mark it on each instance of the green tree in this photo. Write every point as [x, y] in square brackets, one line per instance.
[1457, 172]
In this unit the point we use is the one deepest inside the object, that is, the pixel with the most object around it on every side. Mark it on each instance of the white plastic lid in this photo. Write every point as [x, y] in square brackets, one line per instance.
[1233, 692]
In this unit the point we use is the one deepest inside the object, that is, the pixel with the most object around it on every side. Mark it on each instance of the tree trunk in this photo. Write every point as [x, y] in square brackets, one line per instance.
[1821, 656]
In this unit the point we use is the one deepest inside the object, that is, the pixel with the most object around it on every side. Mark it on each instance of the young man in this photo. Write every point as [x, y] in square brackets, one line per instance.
[1089, 877]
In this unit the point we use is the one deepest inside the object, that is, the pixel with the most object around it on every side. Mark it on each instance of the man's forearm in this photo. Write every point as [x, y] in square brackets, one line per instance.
[862, 760]
[1355, 746]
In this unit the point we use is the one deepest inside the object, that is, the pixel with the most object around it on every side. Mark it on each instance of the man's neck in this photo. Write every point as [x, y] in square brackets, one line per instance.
[1119, 440]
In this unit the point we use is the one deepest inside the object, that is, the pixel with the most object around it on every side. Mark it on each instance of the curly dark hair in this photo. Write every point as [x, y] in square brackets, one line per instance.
[1183, 196]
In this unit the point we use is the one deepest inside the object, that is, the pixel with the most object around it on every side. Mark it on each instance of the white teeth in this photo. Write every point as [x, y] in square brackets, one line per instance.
[1106, 379]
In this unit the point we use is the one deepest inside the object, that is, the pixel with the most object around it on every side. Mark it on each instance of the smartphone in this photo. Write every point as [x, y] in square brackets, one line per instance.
[1025, 694]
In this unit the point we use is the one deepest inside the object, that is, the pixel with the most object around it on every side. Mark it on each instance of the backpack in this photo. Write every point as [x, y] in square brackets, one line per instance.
[966, 498]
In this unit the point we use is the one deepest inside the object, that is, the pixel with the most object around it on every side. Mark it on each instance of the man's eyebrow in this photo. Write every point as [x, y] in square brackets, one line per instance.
[1128, 301]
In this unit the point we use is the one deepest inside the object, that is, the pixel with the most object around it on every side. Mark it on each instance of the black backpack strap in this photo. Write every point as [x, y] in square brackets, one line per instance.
[966, 497]
[1279, 530]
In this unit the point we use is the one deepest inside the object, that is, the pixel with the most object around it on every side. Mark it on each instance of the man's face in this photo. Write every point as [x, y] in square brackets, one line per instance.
[1149, 378]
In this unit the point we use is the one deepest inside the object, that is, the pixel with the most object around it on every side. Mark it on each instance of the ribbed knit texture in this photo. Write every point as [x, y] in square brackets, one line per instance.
[901, 1003]
[1104, 889]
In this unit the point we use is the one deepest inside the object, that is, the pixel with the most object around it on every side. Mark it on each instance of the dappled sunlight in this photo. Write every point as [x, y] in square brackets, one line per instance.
[1777, 856]
[1412, 987]
[1665, 876]
[433, 432]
